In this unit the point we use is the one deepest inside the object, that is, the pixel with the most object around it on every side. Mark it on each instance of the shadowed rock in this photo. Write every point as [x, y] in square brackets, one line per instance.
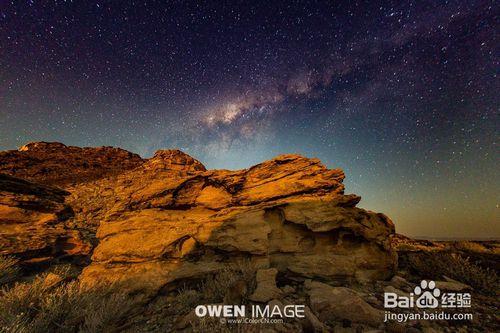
[160, 221]
[54, 163]
[339, 303]
[33, 223]
[289, 213]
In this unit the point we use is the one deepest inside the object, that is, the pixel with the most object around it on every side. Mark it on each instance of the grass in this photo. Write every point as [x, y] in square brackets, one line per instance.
[9, 270]
[215, 287]
[38, 306]
[177, 310]
[457, 267]
[55, 302]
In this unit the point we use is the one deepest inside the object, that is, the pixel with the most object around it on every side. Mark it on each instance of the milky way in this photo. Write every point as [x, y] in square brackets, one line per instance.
[402, 95]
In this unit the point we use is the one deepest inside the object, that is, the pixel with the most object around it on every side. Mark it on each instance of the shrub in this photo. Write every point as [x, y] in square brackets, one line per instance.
[470, 246]
[457, 267]
[9, 270]
[214, 287]
[49, 304]
[39, 307]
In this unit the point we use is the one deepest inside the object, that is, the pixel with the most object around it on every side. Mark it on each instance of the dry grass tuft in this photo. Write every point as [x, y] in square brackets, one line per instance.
[9, 270]
[40, 307]
[455, 266]
[178, 311]
[214, 287]
[49, 303]
[187, 299]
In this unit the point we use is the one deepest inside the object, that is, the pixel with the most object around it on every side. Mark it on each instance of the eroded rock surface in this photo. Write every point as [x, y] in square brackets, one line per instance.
[159, 221]
[266, 286]
[33, 223]
[54, 163]
[340, 303]
[288, 213]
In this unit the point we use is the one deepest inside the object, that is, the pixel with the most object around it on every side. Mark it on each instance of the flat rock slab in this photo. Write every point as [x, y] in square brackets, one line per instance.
[330, 303]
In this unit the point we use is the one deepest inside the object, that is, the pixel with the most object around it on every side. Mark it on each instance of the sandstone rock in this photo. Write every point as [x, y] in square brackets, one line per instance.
[288, 289]
[391, 289]
[165, 219]
[395, 327]
[400, 282]
[266, 286]
[452, 285]
[342, 329]
[430, 330]
[54, 163]
[288, 213]
[32, 223]
[52, 280]
[285, 176]
[311, 323]
[341, 303]
[183, 322]
[236, 292]
[412, 330]
[173, 159]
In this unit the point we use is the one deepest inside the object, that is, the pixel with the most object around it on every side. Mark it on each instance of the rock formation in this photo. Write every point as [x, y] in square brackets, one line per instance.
[152, 223]
[342, 303]
[33, 223]
[54, 163]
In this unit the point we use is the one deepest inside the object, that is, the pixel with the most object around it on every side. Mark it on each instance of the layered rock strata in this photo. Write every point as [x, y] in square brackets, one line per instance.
[163, 224]
[54, 163]
[33, 223]
[152, 223]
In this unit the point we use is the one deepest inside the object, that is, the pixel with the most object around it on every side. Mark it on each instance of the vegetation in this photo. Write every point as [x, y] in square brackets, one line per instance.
[55, 302]
[175, 310]
[216, 286]
[457, 267]
[47, 304]
[9, 270]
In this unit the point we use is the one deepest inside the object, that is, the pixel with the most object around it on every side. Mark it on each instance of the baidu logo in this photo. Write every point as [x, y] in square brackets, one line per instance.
[428, 301]
[427, 295]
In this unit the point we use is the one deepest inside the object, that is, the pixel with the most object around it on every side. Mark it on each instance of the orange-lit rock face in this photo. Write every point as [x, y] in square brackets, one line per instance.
[173, 159]
[56, 164]
[289, 213]
[33, 222]
[170, 219]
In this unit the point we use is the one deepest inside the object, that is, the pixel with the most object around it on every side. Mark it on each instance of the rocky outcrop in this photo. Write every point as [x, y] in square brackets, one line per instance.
[157, 222]
[266, 286]
[179, 223]
[340, 303]
[33, 223]
[54, 163]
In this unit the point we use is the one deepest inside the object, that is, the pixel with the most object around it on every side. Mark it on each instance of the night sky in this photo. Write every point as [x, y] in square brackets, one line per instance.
[402, 95]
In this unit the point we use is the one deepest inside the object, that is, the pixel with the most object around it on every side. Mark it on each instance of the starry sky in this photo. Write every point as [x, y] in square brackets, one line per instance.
[402, 95]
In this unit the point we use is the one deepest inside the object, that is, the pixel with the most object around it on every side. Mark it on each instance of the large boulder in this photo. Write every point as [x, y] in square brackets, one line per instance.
[175, 223]
[340, 303]
[153, 223]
